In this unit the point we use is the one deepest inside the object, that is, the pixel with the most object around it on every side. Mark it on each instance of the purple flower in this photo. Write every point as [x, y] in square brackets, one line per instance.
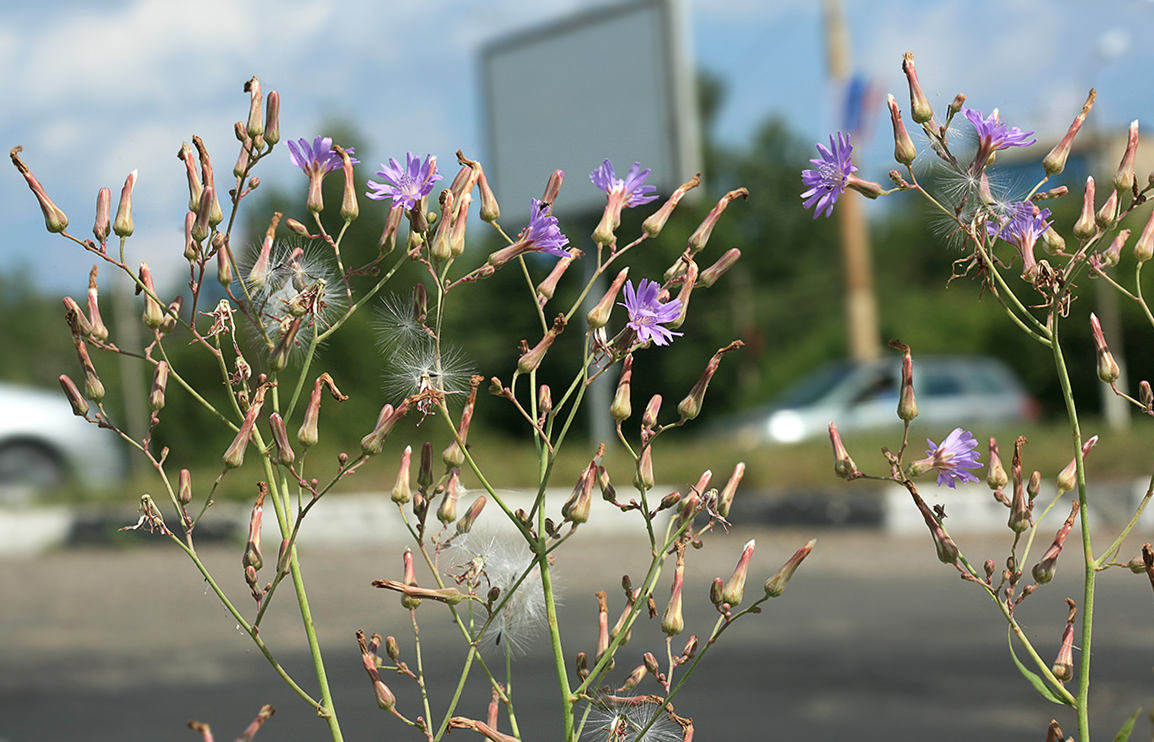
[405, 185]
[633, 186]
[827, 182]
[952, 458]
[543, 231]
[318, 158]
[647, 313]
[993, 135]
[1023, 226]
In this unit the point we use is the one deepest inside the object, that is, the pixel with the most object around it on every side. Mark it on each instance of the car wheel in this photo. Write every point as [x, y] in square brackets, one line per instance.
[30, 466]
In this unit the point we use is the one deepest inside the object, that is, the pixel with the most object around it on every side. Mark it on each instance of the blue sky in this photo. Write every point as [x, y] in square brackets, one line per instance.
[93, 90]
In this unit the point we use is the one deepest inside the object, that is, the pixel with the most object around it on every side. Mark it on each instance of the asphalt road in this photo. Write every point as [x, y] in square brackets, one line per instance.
[873, 640]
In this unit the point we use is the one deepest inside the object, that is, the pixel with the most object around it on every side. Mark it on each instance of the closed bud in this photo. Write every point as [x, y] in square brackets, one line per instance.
[725, 499]
[576, 508]
[372, 443]
[1019, 505]
[944, 545]
[224, 274]
[1044, 570]
[454, 455]
[843, 465]
[920, 109]
[715, 592]
[284, 451]
[465, 524]
[553, 187]
[1124, 177]
[996, 477]
[1144, 247]
[608, 492]
[775, 585]
[649, 418]
[1055, 162]
[122, 227]
[735, 588]
[184, 487]
[548, 287]
[1108, 370]
[447, 512]
[402, 492]
[1109, 211]
[159, 383]
[252, 556]
[490, 210]
[54, 219]
[410, 580]
[153, 311]
[1085, 228]
[710, 275]
[690, 407]
[1067, 478]
[544, 400]
[582, 663]
[272, 118]
[102, 225]
[673, 620]
[532, 359]
[700, 236]
[653, 225]
[425, 471]
[78, 402]
[1063, 667]
[622, 408]
[255, 126]
[907, 404]
[644, 476]
[904, 150]
[349, 208]
[598, 316]
[1052, 242]
[1146, 395]
[308, 434]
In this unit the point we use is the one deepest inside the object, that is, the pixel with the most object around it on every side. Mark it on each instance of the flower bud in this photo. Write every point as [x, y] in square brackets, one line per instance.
[102, 226]
[223, 264]
[548, 287]
[410, 579]
[576, 508]
[1085, 227]
[255, 126]
[490, 210]
[644, 477]
[1044, 570]
[598, 316]
[184, 487]
[673, 622]
[1108, 370]
[78, 402]
[1146, 395]
[904, 150]
[1019, 505]
[402, 492]
[122, 227]
[1055, 162]
[653, 225]
[234, 456]
[734, 590]
[1124, 178]
[775, 585]
[54, 219]
[153, 311]
[453, 455]
[447, 512]
[532, 359]
[425, 470]
[907, 404]
[1067, 478]
[308, 433]
[608, 491]
[553, 187]
[690, 407]
[465, 524]
[920, 109]
[284, 451]
[349, 208]
[725, 499]
[649, 417]
[715, 592]
[252, 556]
[1052, 242]
[1144, 247]
[945, 546]
[996, 473]
[387, 419]
[1063, 667]
[272, 118]
[582, 665]
[622, 408]
[159, 382]
[1109, 211]
[710, 275]
[843, 465]
[700, 236]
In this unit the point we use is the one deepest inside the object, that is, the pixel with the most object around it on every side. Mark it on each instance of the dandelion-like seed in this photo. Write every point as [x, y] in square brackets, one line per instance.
[419, 367]
[613, 719]
[396, 323]
[483, 560]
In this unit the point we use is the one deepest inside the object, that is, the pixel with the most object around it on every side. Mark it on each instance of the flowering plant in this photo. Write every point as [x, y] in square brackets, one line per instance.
[497, 588]
[1037, 295]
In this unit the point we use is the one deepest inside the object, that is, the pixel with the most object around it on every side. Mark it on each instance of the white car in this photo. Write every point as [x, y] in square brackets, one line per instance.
[44, 446]
[951, 391]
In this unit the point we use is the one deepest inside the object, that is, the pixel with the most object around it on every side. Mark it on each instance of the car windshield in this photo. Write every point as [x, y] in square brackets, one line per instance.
[813, 388]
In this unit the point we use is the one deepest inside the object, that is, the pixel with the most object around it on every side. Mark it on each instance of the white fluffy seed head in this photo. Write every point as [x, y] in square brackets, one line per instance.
[395, 324]
[483, 559]
[413, 367]
[613, 720]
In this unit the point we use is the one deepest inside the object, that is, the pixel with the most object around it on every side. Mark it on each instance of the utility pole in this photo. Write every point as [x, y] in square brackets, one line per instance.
[860, 301]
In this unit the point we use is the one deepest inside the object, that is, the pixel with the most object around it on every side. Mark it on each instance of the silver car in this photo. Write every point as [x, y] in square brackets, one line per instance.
[951, 391]
[44, 446]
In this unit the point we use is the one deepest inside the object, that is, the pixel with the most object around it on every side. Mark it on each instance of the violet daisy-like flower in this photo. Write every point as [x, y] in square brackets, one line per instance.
[1022, 227]
[647, 313]
[952, 458]
[828, 180]
[543, 231]
[318, 158]
[993, 136]
[633, 185]
[405, 185]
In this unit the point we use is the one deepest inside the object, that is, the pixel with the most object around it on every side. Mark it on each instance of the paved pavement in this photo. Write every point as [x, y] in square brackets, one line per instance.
[873, 640]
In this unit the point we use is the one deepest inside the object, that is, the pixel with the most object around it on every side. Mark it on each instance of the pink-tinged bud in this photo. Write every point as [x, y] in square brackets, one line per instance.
[688, 281]
[71, 308]
[725, 499]
[195, 188]
[284, 451]
[532, 359]
[1109, 211]
[610, 218]
[715, 591]
[582, 666]
[1044, 570]
[996, 476]
[308, 434]
[653, 225]
[447, 512]
[620, 626]
[1034, 486]
[1108, 370]
[920, 109]
[349, 208]
[1063, 667]
[651, 663]
[1146, 395]
[700, 236]
[622, 408]
[96, 327]
[490, 210]
[1111, 255]
[1085, 228]
[673, 621]
[602, 625]
[598, 316]
[907, 404]
[652, 410]
[1019, 505]
[1054, 733]
[184, 487]
[440, 244]
[402, 492]
[775, 585]
[867, 188]
[1055, 162]
[78, 402]
[153, 311]
[634, 678]
[553, 187]
[385, 698]
[54, 219]
[690, 407]
[544, 400]
[1067, 479]
[102, 226]
[191, 248]
[238, 130]
[278, 357]
[946, 548]
[576, 508]
[453, 455]
[255, 126]
[710, 275]
[159, 383]
[425, 470]
[460, 222]
[1052, 242]
[548, 287]
[956, 105]
[252, 556]
[202, 227]
[388, 239]
[644, 477]
[843, 465]
[465, 524]
[1144, 247]
[93, 388]
[234, 456]
[372, 443]
[122, 226]
[241, 166]
[608, 491]
[904, 150]
[734, 590]
[410, 579]
[1124, 178]
[297, 228]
